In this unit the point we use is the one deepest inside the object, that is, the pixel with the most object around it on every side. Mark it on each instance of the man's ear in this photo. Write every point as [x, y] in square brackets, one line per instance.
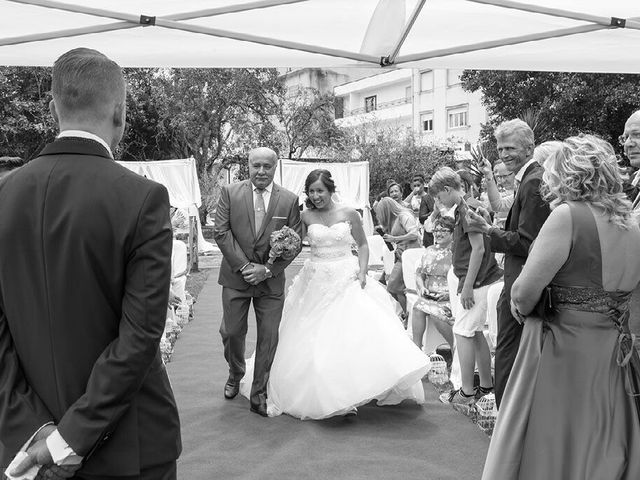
[54, 113]
[119, 114]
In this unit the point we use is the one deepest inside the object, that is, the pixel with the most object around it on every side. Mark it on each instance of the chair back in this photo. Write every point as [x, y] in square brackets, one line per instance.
[410, 259]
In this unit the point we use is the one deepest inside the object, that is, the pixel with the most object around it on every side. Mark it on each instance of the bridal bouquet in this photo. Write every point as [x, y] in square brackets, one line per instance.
[284, 243]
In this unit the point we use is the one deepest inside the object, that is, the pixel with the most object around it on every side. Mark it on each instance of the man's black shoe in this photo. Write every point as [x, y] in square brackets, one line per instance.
[231, 388]
[259, 408]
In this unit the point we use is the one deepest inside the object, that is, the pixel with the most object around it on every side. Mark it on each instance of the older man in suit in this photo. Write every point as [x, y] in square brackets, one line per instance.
[515, 143]
[84, 285]
[248, 212]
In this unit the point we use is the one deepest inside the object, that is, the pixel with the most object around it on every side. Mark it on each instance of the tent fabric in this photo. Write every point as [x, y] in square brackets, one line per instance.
[559, 35]
[180, 177]
[351, 179]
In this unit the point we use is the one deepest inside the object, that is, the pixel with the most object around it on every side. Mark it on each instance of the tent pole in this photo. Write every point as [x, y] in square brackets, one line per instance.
[556, 12]
[405, 32]
[167, 23]
[74, 32]
[272, 42]
[210, 12]
[444, 52]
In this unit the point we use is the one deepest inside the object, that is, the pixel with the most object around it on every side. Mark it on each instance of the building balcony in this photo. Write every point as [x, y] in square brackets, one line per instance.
[384, 111]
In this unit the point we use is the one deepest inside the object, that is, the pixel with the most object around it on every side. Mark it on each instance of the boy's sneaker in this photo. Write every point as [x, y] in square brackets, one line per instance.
[461, 402]
[482, 391]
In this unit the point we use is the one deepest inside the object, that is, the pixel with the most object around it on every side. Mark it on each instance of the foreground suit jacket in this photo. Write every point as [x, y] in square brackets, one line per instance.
[524, 221]
[85, 253]
[235, 233]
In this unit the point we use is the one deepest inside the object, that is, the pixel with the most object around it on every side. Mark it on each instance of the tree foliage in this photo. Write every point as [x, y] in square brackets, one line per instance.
[561, 104]
[392, 155]
[305, 119]
[27, 125]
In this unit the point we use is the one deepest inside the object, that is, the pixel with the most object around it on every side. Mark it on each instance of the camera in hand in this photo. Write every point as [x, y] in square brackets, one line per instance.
[380, 232]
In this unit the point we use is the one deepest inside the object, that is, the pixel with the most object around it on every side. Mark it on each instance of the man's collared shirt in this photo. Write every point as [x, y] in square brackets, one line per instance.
[266, 195]
[87, 135]
[520, 174]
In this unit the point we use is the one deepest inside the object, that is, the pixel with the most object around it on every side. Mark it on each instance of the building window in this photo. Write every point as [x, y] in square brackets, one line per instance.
[426, 122]
[453, 77]
[370, 103]
[426, 81]
[458, 117]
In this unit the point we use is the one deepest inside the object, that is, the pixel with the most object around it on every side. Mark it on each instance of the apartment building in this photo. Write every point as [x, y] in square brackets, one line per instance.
[430, 103]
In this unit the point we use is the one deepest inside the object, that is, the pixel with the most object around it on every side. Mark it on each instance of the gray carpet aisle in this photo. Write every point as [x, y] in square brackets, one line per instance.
[222, 439]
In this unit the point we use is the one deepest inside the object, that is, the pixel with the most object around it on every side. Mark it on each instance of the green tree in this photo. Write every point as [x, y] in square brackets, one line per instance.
[305, 120]
[392, 155]
[562, 103]
[27, 125]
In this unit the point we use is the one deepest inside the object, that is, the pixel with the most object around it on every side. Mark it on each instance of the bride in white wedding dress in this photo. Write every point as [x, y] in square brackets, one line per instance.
[341, 343]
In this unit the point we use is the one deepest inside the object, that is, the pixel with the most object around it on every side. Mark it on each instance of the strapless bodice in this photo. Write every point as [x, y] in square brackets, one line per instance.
[329, 242]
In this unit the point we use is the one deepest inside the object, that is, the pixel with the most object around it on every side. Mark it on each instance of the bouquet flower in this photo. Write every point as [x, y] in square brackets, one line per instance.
[284, 243]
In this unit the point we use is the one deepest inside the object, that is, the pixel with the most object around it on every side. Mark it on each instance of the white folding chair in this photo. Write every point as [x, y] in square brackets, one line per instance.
[410, 260]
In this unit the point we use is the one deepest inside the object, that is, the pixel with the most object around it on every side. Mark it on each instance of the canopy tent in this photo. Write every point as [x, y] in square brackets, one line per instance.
[561, 35]
[352, 183]
[181, 180]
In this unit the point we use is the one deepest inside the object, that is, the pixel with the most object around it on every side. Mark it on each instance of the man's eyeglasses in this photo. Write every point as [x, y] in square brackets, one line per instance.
[634, 136]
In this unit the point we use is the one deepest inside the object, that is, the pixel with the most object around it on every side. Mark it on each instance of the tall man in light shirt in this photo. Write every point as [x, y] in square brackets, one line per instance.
[515, 143]
[630, 141]
[247, 213]
[84, 287]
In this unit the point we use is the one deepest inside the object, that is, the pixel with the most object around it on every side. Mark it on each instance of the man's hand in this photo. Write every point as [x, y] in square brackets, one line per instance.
[37, 454]
[57, 472]
[43, 433]
[388, 238]
[477, 223]
[466, 298]
[254, 274]
[485, 167]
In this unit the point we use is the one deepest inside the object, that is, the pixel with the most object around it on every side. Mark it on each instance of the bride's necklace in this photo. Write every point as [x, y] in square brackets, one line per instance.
[323, 218]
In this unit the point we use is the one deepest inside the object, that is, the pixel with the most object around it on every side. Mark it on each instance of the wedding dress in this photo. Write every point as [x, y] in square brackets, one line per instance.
[340, 346]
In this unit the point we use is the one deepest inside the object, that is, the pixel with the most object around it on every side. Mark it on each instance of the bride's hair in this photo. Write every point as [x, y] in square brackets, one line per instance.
[325, 177]
[584, 169]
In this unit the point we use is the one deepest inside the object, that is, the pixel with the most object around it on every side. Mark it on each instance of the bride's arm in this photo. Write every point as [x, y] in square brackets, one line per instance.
[359, 236]
[548, 253]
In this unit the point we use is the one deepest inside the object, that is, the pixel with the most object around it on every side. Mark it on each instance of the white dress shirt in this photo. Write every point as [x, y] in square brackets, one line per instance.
[88, 135]
[520, 174]
[266, 195]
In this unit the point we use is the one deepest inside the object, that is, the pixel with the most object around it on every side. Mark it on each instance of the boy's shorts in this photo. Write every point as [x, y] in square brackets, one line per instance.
[467, 322]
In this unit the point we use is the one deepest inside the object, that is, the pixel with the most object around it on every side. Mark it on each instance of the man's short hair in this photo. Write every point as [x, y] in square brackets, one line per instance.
[84, 81]
[445, 177]
[516, 127]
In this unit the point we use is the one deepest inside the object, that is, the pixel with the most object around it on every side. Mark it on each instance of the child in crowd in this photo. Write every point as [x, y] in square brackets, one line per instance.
[431, 283]
[475, 268]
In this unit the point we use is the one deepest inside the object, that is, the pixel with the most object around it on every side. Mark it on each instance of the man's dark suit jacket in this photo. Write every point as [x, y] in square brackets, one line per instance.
[85, 268]
[235, 233]
[524, 221]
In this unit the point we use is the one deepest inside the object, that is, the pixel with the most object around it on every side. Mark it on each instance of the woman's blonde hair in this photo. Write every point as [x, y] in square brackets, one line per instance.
[387, 210]
[584, 169]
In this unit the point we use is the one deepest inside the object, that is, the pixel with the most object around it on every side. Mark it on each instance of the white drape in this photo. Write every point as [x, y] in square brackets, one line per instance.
[180, 177]
[351, 179]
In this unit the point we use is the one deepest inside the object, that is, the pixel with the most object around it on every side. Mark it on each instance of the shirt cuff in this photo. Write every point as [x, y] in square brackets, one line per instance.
[61, 452]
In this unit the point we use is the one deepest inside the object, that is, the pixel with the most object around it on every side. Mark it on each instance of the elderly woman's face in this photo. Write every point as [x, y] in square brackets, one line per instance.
[395, 193]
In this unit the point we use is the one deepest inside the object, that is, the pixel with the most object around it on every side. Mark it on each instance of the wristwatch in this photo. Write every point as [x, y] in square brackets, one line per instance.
[268, 272]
